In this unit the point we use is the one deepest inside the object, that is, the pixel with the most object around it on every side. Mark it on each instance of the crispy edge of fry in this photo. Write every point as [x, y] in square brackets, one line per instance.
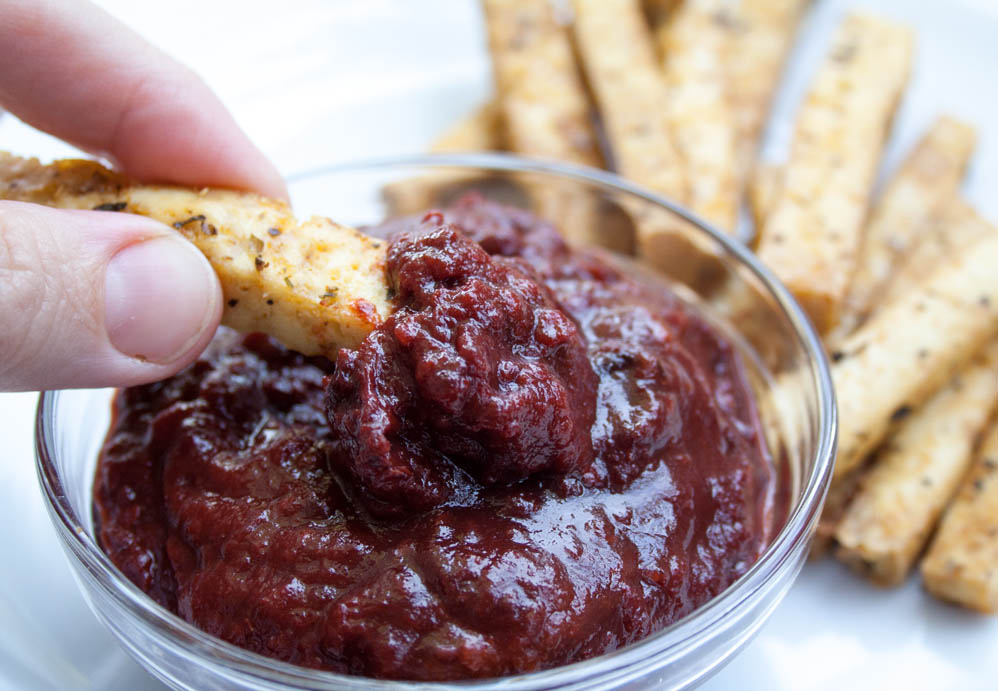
[925, 183]
[890, 519]
[315, 286]
[480, 130]
[961, 564]
[911, 347]
[699, 116]
[812, 237]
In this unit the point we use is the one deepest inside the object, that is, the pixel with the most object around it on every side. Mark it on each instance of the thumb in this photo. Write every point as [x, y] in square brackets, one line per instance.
[93, 298]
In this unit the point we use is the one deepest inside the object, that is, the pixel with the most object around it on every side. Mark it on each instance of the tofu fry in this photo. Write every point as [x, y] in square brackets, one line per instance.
[479, 131]
[315, 286]
[899, 501]
[544, 106]
[762, 33]
[812, 236]
[699, 116]
[911, 347]
[925, 183]
[542, 99]
[962, 563]
[615, 47]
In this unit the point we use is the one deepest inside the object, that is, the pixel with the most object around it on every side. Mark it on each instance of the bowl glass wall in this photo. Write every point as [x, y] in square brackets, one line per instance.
[780, 349]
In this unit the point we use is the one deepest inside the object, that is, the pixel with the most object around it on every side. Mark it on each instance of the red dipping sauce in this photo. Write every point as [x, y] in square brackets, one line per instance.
[535, 460]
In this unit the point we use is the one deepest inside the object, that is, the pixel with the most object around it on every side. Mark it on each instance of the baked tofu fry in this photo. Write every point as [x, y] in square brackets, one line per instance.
[962, 562]
[812, 236]
[911, 347]
[915, 475]
[762, 33]
[479, 131]
[699, 116]
[957, 226]
[541, 96]
[926, 182]
[315, 286]
[615, 47]
[544, 106]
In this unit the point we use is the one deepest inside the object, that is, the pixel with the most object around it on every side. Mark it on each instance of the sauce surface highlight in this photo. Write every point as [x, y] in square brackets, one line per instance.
[535, 460]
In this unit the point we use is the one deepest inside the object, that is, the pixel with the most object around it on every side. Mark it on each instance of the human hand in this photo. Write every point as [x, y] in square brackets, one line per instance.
[94, 298]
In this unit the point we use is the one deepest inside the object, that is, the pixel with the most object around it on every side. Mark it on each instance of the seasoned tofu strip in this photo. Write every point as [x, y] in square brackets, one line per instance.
[762, 33]
[315, 286]
[812, 237]
[926, 182]
[911, 347]
[480, 131]
[901, 498]
[543, 104]
[721, 61]
[616, 50]
[962, 562]
[699, 116]
[957, 226]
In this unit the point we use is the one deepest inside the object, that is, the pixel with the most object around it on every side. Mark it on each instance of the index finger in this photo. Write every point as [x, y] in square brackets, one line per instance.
[72, 70]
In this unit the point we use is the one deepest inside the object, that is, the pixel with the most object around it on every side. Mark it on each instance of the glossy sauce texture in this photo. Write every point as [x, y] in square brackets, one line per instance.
[535, 460]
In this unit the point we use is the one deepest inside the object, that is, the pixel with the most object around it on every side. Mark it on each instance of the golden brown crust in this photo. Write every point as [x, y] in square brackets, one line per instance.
[699, 116]
[315, 286]
[812, 237]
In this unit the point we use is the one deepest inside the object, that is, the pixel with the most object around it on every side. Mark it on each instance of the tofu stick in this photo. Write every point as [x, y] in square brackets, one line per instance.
[899, 501]
[812, 236]
[961, 565]
[924, 184]
[545, 108]
[699, 116]
[761, 35]
[911, 347]
[479, 131]
[315, 286]
[616, 50]
[541, 96]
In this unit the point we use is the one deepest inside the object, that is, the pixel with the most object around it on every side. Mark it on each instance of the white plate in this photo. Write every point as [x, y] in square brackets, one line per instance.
[332, 81]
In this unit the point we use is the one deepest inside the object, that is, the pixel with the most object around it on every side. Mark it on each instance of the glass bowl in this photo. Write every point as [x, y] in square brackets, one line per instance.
[785, 364]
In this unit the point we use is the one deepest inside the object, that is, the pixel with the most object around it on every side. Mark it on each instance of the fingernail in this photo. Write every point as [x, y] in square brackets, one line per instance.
[159, 297]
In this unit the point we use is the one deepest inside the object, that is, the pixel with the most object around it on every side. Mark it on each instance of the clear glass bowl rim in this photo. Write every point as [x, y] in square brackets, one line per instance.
[665, 643]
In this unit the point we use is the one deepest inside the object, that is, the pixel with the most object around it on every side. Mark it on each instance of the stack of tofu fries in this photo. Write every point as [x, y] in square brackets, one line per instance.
[903, 287]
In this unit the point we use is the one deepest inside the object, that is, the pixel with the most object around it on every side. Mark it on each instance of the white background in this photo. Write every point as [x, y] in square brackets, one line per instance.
[315, 82]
